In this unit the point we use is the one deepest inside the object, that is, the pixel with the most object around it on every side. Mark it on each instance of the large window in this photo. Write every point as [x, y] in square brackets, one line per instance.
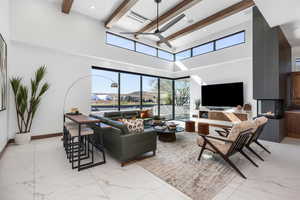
[202, 49]
[119, 41]
[166, 98]
[231, 40]
[139, 91]
[133, 45]
[218, 44]
[104, 96]
[183, 55]
[165, 55]
[130, 91]
[145, 49]
[150, 94]
[182, 98]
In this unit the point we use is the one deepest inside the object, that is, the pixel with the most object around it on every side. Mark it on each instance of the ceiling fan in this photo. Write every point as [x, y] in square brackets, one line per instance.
[158, 32]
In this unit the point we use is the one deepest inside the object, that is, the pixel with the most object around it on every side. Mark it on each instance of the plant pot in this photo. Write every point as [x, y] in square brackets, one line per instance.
[23, 138]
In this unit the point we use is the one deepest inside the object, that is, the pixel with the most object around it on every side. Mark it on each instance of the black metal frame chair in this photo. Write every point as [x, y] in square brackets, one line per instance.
[236, 146]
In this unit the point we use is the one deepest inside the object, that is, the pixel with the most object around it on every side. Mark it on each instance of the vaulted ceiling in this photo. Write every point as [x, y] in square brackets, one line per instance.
[196, 11]
[284, 13]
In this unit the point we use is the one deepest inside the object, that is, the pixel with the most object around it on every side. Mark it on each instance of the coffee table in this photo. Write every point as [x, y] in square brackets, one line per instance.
[166, 135]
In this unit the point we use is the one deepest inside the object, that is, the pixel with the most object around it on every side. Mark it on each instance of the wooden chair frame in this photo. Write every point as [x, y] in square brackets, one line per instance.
[254, 139]
[237, 146]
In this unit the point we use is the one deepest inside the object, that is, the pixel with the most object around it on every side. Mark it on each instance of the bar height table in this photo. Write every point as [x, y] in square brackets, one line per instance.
[81, 120]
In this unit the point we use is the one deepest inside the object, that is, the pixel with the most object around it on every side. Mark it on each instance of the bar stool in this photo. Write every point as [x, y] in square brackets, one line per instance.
[81, 147]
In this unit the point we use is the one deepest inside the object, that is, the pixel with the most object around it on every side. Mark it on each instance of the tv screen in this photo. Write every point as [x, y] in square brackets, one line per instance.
[223, 95]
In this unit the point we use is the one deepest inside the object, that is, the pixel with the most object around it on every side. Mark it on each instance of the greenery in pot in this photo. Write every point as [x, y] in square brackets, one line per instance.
[28, 100]
[197, 103]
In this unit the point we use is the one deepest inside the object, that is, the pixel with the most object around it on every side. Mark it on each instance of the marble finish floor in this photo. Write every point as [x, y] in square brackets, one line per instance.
[40, 171]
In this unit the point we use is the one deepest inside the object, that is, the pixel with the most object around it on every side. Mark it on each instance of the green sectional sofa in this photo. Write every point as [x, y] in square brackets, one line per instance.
[120, 143]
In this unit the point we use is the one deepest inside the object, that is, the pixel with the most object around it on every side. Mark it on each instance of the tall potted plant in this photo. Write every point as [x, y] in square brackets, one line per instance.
[27, 103]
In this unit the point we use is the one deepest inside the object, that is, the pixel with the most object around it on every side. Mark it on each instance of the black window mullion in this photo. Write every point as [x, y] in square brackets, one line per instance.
[119, 91]
[158, 101]
[173, 99]
[141, 92]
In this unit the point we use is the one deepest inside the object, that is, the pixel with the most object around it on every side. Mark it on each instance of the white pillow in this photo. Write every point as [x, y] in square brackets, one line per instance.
[134, 126]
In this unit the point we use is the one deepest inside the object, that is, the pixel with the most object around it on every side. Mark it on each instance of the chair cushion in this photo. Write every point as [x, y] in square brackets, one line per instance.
[134, 126]
[237, 128]
[222, 146]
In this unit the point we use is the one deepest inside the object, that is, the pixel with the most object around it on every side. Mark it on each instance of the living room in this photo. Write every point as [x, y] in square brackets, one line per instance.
[155, 82]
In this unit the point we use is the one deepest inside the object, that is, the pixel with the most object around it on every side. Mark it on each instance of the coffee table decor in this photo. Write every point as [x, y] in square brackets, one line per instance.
[167, 132]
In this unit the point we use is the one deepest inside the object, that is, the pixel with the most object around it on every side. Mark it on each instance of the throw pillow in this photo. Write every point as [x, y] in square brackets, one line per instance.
[144, 114]
[150, 113]
[134, 126]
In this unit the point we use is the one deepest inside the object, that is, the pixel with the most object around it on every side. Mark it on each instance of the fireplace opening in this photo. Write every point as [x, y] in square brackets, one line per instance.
[270, 108]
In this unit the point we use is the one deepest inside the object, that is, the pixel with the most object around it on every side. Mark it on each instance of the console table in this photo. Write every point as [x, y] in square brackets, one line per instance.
[84, 141]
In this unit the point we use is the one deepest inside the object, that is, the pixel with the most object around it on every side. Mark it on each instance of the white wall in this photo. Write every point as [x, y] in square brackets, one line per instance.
[42, 23]
[295, 54]
[4, 30]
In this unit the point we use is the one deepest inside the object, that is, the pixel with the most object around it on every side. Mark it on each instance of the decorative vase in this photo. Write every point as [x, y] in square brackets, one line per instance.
[23, 138]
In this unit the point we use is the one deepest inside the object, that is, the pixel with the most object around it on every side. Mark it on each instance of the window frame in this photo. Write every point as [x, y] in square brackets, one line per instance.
[156, 53]
[183, 51]
[214, 48]
[134, 41]
[134, 46]
[227, 36]
[188, 49]
[173, 55]
[141, 87]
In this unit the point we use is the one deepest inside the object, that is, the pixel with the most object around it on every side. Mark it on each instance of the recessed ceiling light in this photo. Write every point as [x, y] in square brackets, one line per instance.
[92, 7]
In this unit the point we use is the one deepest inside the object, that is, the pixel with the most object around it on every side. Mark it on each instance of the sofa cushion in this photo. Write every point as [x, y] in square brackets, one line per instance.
[134, 126]
[130, 114]
[113, 115]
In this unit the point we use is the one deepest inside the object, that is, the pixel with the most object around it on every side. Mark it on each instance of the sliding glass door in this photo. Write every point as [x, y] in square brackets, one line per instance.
[182, 99]
[150, 94]
[104, 97]
[130, 87]
[166, 98]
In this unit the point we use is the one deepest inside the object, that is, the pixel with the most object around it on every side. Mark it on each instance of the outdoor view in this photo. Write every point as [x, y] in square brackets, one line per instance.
[106, 98]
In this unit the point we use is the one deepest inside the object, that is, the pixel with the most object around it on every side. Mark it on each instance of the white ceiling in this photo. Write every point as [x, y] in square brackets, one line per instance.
[285, 13]
[147, 8]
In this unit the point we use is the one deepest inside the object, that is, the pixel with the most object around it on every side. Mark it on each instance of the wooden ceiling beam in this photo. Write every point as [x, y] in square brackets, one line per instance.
[125, 6]
[66, 6]
[212, 19]
[173, 12]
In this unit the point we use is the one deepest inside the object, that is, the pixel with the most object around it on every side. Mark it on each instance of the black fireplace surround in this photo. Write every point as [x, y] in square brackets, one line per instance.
[270, 108]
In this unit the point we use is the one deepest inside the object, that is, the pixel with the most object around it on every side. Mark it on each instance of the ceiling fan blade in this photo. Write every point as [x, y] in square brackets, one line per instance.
[136, 33]
[164, 40]
[171, 23]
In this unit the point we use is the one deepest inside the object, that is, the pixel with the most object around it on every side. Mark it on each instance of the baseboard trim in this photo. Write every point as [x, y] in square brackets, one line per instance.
[35, 137]
[38, 137]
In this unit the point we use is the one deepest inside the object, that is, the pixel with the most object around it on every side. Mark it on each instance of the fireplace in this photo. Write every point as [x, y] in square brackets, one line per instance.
[270, 108]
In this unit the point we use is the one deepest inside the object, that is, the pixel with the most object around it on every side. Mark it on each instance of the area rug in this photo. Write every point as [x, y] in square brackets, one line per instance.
[177, 164]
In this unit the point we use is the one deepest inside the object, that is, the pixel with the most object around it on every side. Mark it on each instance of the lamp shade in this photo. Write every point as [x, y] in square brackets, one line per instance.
[114, 85]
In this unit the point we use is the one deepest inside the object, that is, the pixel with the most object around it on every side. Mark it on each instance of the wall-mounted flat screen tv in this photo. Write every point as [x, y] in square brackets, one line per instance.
[223, 95]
